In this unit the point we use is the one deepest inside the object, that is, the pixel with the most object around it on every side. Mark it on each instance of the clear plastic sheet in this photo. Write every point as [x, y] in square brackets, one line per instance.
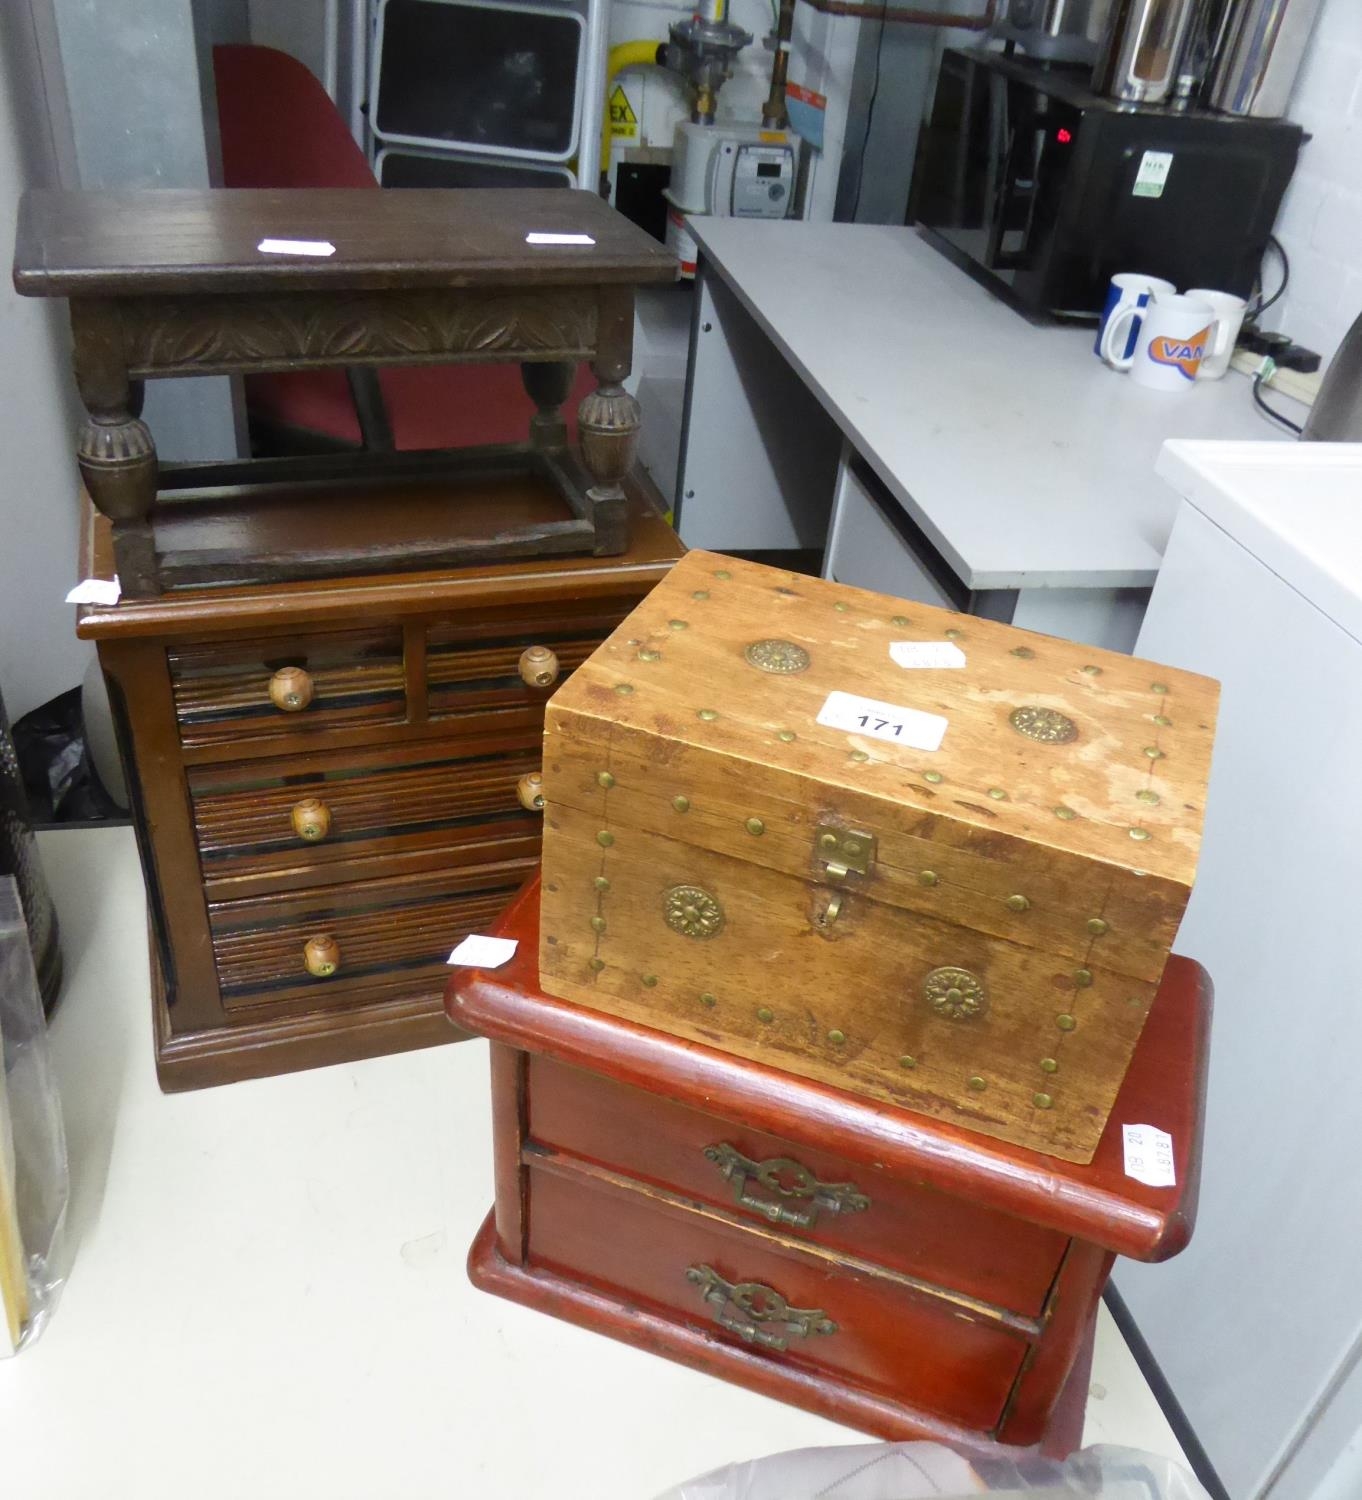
[33, 1172]
[915, 1471]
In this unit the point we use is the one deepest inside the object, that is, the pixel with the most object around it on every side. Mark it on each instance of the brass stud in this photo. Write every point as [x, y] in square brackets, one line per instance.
[764, 1013]
[700, 594]
[601, 883]
[605, 838]
[598, 964]
[722, 573]
[681, 804]
[648, 654]
[755, 826]
[624, 688]
[649, 980]
[977, 1084]
[1163, 720]
[841, 606]
[1018, 903]
[677, 624]
[787, 736]
[1049, 1065]
[837, 1037]
[1139, 834]
[1146, 795]
[933, 776]
[598, 924]
[1042, 1101]
[708, 1000]
[1092, 671]
[1153, 752]
[859, 755]
[827, 841]
[906, 1062]
[928, 877]
[1083, 978]
[900, 620]
[708, 715]
[605, 779]
[1097, 926]
[1158, 687]
[1065, 1023]
[1025, 652]
[954, 635]
[997, 793]
[1065, 813]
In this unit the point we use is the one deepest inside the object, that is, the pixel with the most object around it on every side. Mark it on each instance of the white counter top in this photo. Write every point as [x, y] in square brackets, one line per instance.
[268, 1296]
[1025, 460]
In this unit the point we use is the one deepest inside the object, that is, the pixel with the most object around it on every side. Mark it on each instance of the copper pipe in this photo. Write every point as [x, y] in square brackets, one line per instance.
[773, 113]
[903, 13]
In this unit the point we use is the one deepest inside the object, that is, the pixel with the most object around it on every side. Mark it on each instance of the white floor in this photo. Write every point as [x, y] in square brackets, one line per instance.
[267, 1293]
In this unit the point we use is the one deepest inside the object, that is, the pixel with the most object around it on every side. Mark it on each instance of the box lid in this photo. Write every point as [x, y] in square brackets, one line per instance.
[1045, 791]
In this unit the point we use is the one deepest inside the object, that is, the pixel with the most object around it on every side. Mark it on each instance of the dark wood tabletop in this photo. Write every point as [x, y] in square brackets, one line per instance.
[168, 240]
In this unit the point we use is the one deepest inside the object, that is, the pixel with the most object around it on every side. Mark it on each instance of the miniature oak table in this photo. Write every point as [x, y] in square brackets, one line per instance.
[174, 283]
[877, 1267]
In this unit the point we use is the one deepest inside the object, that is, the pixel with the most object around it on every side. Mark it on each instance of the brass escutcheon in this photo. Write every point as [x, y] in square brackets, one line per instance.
[955, 993]
[1047, 725]
[692, 911]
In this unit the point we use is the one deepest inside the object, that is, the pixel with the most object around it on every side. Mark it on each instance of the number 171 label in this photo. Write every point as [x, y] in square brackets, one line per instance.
[883, 721]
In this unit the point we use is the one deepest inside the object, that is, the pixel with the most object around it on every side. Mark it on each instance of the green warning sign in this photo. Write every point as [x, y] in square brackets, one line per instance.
[623, 120]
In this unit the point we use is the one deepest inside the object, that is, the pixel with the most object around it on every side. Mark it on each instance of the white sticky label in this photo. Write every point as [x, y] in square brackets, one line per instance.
[95, 591]
[296, 247]
[1149, 1155]
[476, 952]
[559, 239]
[1152, 176]
[915, 654]
[882, 721]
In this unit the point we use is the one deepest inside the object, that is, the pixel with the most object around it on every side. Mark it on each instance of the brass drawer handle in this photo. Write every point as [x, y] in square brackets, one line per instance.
[539, 666]
[787, 1179]
[747, 1307]
[311, 819]
[291, 689]
[322, 955]
[530, 790]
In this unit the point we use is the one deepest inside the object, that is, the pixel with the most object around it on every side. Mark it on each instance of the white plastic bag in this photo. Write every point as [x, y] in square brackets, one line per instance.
[33, 1170]
[914, 1471]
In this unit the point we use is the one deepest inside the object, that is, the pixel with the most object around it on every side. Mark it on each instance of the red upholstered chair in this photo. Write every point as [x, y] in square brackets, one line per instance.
[280, 129]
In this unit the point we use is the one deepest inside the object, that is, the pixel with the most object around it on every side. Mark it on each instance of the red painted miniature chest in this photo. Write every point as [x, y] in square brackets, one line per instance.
[880, 1268]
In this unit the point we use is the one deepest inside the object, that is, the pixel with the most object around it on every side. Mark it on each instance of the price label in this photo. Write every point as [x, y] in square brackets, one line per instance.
[883, 721]
[1149, 1155]
[478, 952]
[915, 654]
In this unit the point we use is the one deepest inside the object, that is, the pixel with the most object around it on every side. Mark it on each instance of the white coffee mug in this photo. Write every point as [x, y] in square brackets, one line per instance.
[1128, 290]
[1229, 318]
[1175, 333]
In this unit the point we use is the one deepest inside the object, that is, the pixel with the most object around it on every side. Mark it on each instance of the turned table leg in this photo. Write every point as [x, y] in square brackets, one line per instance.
[115, 451]
[608, 420]
[548, 384]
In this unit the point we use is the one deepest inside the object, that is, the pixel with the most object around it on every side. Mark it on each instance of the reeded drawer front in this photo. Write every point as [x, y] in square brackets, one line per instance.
[879, 1335]
[474, 665]
[287, 684]
[808, 1194]
[319, 947]
[331, 808]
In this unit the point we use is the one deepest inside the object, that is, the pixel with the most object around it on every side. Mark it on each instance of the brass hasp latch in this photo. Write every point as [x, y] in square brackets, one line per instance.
[842, 853]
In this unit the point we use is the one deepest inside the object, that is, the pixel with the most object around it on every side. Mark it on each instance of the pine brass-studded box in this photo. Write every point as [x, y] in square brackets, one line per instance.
[918, 855]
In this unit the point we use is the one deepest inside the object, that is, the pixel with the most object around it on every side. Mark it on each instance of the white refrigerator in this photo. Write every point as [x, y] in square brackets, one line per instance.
[1258, 1325]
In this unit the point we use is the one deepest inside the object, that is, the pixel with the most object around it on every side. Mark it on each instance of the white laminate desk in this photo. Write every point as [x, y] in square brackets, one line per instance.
[849, 382]
[268, 1296]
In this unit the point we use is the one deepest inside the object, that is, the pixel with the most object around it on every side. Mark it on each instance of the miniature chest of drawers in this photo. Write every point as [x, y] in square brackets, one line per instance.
[877, 1267]
[326, 782]
[913, 854]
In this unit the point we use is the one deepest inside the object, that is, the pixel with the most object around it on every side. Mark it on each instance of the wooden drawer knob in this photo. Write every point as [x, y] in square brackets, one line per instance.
[291, 689]
[539, 666]
[311, 819]
[322, 955]
[530, 790]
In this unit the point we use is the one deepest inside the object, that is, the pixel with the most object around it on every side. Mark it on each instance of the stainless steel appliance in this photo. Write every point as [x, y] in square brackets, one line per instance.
[1044, 190]
[1258, 55]
[1138, 63]
[1056, 30]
